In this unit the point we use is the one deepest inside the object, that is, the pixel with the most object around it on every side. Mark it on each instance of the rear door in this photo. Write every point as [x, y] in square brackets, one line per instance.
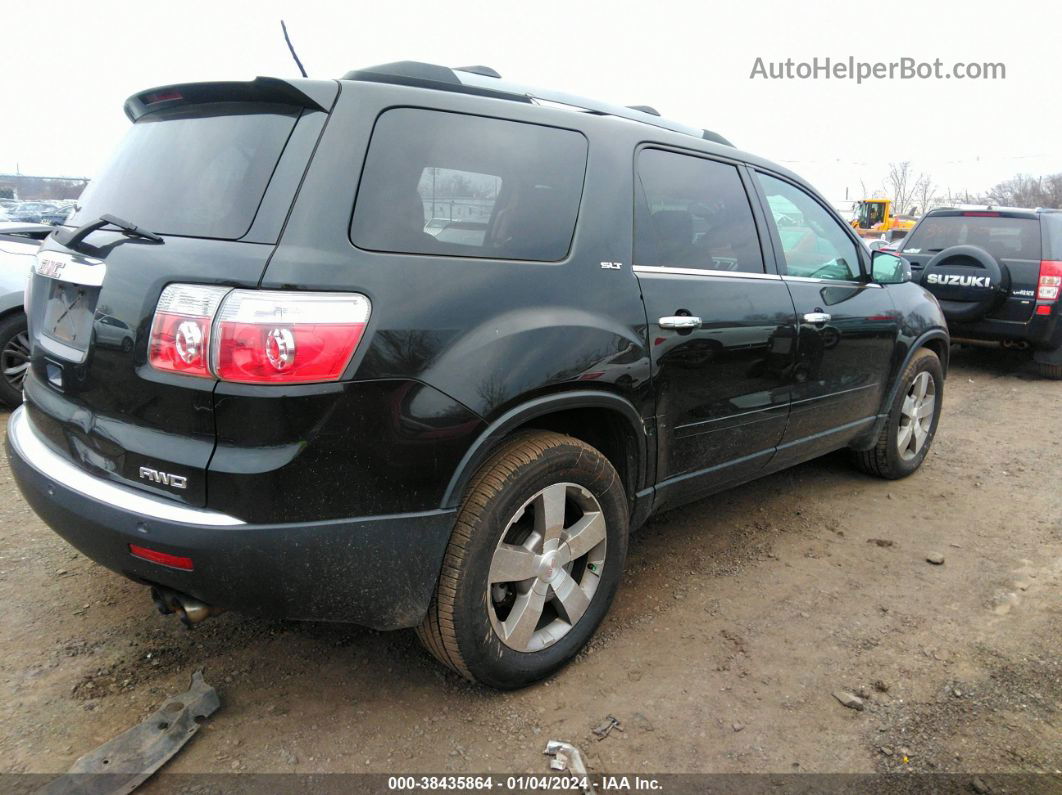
[848, 327]
[721, 327]
[214, 178]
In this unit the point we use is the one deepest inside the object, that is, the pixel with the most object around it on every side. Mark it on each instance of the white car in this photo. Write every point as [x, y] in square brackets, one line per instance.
[881, 244]
[18, 247]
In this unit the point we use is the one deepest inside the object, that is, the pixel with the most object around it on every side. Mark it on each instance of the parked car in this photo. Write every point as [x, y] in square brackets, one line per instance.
[329, 413]
[997, 272]
[881, 244]
[39, 212]
[18, 247]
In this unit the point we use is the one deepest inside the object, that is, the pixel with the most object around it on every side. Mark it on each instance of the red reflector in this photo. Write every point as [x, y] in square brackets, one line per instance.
[162, 558]
[1043, 310]
[161, 96]
[982, 215]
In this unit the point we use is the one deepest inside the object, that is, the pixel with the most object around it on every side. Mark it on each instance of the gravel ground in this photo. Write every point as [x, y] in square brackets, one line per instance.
[743, 623]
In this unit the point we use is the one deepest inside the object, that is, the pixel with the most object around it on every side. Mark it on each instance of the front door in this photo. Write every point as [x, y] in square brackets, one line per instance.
[721, 328]
[848, 326]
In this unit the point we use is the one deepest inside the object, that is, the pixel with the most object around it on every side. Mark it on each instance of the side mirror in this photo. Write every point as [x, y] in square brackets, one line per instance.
[888, 268]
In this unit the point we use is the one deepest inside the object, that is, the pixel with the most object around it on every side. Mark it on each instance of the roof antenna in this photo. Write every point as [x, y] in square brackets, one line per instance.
[291, 47]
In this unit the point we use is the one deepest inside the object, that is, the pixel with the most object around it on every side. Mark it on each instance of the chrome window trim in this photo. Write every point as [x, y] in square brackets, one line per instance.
[703, 272]
[36, 453]
[813, 280]
[747, 275]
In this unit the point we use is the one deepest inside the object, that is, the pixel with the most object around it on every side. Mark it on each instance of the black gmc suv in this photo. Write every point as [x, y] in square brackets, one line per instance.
[997, 272]
[419, 347]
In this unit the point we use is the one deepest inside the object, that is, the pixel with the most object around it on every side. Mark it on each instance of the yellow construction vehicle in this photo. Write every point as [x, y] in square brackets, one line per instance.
[874, 218]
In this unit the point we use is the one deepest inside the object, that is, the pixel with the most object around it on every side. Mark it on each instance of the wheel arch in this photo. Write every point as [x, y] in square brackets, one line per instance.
[936, 340]
[604, 420]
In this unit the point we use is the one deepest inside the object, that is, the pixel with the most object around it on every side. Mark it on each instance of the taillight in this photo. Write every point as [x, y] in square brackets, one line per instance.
[256, 336]
[265, 336]
[1050, 280]
[180, 331]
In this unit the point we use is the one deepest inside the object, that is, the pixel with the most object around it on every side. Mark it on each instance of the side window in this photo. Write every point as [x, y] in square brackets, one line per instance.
[813, 243]
[693, 213]
[469, 186]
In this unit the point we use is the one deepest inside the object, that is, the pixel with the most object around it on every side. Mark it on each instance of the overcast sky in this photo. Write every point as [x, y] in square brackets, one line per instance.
[68, 66]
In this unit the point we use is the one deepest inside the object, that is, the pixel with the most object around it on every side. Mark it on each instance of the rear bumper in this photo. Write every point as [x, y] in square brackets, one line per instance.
[1043, 333]
[378, 571]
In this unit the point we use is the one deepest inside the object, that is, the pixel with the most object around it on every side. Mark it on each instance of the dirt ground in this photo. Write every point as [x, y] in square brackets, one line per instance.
[738, 619]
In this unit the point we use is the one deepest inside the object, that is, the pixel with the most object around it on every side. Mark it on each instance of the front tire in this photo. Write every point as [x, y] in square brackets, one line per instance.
[534, 561]
[908, 433]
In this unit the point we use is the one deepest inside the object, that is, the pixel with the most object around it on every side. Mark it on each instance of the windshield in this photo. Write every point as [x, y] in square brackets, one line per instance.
[197, 171]
[1003, 238]
[871, 213]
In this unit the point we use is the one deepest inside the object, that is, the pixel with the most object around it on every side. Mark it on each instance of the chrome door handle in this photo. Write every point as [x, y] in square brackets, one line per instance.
[817, 317]
[680, 322]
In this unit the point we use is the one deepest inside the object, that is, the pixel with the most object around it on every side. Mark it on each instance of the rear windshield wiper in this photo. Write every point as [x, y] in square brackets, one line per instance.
[73, 239]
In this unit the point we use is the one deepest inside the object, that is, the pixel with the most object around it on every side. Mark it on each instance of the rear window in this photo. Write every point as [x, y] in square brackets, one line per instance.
[455, 185]
[196, 171]
[1003, 238]
[1052, 223]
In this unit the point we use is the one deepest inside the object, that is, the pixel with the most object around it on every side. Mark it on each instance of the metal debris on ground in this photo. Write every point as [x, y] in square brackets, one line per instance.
[566, 757]
[121, 765]
[606, 727]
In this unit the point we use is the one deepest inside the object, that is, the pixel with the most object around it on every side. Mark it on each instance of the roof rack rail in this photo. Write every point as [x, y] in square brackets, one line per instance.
[486, 71]
[645, 109]
[475, 80]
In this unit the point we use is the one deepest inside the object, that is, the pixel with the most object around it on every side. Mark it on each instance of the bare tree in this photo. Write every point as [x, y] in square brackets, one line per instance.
[1023, 190]
[923, 197]
[900, 184]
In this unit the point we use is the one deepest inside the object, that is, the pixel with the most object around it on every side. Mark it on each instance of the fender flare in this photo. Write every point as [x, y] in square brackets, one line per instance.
[869, 439]
[538, 407]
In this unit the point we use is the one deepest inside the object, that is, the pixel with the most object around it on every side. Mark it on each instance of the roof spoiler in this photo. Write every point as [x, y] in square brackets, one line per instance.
[312, 94]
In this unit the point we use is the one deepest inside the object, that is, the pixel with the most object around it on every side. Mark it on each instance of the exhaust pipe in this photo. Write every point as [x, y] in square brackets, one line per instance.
[1016, 345]
[190, 611]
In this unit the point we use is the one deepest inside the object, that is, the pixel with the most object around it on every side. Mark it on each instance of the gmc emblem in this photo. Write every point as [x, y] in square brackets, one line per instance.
[51, 268]
[164, 478]
[960, 281]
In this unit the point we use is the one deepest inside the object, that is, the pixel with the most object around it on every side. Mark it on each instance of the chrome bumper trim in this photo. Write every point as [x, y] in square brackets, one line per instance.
[36, 453]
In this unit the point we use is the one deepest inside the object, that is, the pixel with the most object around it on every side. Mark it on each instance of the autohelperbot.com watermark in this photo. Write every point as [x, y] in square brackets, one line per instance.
[851, 68]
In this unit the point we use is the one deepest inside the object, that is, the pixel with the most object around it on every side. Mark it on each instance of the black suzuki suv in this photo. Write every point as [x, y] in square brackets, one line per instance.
[419, 347]
[997, 272]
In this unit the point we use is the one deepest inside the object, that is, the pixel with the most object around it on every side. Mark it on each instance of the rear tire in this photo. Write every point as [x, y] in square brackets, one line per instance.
[1051, 371]
[908, 433]
[474, 622]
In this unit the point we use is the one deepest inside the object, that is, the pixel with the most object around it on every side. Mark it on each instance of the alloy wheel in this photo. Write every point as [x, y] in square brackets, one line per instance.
[546, 567]
[916, 416]
[15, 360]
